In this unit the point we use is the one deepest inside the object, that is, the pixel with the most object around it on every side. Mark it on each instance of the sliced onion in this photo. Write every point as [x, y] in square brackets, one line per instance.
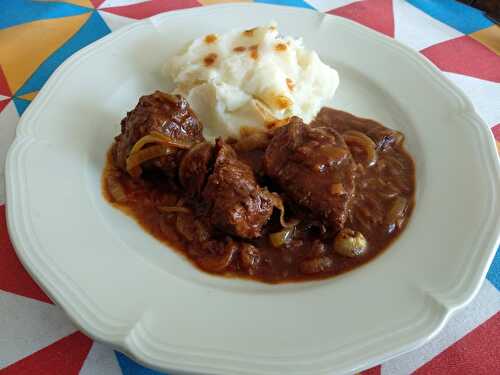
[361, 135]
[280, 238]
[396, 212]
[116, 190]
[155, 137]
[278, 203]
[263, 111]
[221, 262]
[350, 243]
[136, 159]
[362, 140]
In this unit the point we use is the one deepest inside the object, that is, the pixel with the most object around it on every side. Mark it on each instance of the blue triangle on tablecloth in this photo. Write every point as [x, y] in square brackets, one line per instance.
[290, 3]
[16, 12]
[95, 28]
[21, 105]
[494, 273]
[130, 367]
[464, 18]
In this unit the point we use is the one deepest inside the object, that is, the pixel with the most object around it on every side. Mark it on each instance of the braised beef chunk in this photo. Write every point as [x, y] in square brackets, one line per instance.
[343, 121]
[158, 113]
[195, 168]
[238, 205]
[314, 167]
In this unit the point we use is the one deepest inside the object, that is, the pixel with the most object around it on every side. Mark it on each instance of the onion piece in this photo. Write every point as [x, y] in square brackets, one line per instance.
[396, 212]
[362, 140]
[350, 243]
[361, 135]
[116, 189]
[139, 157]
[278, 203]
[280, 238]
[219, 263]
[155, 137]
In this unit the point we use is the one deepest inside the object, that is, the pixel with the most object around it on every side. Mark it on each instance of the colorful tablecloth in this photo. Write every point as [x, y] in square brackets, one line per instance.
[37, 36]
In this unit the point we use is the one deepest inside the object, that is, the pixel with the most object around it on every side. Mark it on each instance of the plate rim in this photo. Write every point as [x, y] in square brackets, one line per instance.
[129, 343]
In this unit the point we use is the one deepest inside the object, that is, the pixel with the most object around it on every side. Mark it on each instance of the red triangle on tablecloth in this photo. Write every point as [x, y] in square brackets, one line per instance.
[496, 131]
[97, 3]
[13, 276]
[466, 56]
[4, 86]
[3, 103]
[65, 356]
[476, 353]
[373, 371]
[376, 14]
[150, 8]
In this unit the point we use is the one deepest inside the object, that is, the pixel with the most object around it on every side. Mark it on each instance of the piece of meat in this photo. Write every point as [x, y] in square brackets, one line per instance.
[195, 168]
[166, 114]
[237, 204]
[315, 169]
[342, 121]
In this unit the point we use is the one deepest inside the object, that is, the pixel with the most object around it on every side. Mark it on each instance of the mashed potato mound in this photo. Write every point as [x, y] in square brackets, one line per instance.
[251, 79]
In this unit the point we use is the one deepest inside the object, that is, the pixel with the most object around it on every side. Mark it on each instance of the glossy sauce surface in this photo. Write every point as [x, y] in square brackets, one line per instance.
[380, 208]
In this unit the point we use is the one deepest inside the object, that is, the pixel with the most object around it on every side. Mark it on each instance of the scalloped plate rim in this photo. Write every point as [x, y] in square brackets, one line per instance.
[123, 341]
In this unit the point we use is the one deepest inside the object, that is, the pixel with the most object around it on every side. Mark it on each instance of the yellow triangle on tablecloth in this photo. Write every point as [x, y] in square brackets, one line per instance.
[83, 3]
[29, 96]
[489, 37]
[24, 47]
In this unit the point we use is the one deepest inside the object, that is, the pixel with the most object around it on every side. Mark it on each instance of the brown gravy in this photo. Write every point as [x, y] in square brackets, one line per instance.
[382, 203]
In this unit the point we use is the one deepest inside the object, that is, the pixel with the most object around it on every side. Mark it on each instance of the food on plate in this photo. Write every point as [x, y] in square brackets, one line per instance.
[246, 172]
[237, 204]
[162, 120]
[313, 167]
[342, 121]
[253, 78]
[194, 168]
[289, 203]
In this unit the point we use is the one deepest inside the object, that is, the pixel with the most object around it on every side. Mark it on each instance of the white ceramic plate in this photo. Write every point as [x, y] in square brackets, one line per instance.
[123, 287]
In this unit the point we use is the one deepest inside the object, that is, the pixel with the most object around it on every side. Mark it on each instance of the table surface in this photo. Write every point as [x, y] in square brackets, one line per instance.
[37, 36]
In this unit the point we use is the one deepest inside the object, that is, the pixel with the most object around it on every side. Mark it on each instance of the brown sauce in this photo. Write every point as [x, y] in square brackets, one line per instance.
[380, 208]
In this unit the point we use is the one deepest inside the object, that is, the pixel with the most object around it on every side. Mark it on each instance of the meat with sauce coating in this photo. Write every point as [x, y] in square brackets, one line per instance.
[195, 167]
[238, 205]
[163, 114]
[343, 121]
[314, 167]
